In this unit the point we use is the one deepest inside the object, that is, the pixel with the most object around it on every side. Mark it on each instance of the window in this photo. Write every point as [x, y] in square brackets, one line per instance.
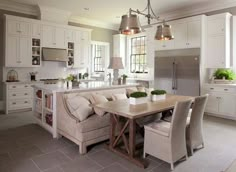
[98, 65]
[138, 58]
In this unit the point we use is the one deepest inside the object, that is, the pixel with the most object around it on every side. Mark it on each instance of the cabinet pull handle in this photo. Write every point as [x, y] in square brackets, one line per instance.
[26, 94]
[13, 94]
[26, 86]
[13, 86]
[226, 89]
[212, 88]
[26, 102]
[13, 103]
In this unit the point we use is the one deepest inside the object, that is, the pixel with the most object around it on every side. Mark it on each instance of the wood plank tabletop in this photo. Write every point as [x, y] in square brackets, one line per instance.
[123, 108]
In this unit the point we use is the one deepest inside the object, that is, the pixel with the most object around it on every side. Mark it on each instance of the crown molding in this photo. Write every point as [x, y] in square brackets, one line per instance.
[198, 9]
[90, 22]
[20, 8]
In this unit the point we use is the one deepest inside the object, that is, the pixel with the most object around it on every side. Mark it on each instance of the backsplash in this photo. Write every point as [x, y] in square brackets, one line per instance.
[48, 70]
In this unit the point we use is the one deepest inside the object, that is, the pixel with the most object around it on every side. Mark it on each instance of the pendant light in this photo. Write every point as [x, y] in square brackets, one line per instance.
[130, 23]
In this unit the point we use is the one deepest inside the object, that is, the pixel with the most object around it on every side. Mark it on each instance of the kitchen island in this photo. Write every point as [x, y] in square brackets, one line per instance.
[45, 100]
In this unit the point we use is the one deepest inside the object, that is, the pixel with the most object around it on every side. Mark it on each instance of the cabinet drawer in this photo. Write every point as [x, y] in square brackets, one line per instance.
[221, 89]
[23, 94]
[19, 104]
[20, 86]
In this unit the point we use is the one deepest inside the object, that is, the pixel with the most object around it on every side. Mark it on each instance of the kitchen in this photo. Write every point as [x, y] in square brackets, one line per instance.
[203, 43]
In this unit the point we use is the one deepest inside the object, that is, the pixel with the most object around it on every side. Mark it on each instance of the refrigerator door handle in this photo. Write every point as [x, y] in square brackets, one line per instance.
[175, 78]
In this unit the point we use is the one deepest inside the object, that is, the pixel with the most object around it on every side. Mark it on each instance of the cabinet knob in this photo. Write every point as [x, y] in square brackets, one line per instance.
[26, 86]
[13, 103]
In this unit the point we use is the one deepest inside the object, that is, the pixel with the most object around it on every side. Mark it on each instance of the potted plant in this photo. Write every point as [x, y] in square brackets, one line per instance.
[158, 95]
[224, 76]
[124, 78]
[69, 80]
[85, 75]
[138, 98]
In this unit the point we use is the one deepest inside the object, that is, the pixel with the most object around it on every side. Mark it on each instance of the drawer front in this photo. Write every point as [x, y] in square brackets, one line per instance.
[221, 89]
[23, 94]
[19, 104]
[19, 86]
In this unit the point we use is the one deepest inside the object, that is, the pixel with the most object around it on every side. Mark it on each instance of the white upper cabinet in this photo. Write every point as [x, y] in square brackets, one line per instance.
[15, 27]
[180, 35]
[53, 36]
[187, 34]
[70, 35]
[218, 41]
[36, 30]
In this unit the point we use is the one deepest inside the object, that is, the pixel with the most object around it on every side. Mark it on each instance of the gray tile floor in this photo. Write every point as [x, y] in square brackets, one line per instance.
[26, 147]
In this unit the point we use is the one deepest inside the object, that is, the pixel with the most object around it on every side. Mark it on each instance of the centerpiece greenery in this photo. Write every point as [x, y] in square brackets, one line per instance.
[138, 98]
[158, 95]
[227, 74]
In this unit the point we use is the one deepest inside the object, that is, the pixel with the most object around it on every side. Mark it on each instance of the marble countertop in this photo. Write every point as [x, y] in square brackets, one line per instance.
[93, 85]
[23, 82]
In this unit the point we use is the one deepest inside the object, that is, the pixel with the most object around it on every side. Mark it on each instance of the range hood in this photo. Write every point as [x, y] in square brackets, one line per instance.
[54, 54]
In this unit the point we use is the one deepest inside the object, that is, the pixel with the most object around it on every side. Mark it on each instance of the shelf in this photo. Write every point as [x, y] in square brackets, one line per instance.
[69, 49]
[47, 109]
[35, 46]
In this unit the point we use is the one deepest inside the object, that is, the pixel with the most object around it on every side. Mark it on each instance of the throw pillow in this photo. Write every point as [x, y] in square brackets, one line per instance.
[96, 99]
[119, 96]
[79, 107]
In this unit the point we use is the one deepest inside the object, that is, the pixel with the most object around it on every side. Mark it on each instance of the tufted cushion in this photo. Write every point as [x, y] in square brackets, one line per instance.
[96, 99]
[119, 96]
[79, 107]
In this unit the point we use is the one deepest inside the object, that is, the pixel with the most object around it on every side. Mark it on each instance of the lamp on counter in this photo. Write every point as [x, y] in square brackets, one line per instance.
[116, 64]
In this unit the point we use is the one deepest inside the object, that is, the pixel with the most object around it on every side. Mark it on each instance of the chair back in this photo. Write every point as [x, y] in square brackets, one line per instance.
[197, 117]
[178, 125]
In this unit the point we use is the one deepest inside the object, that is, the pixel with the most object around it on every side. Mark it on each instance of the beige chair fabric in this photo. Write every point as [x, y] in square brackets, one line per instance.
[194, 134]
[168, 143]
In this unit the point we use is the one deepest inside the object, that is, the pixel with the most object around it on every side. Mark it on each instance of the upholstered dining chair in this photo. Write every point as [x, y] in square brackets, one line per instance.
[167, 141]
[194, 134]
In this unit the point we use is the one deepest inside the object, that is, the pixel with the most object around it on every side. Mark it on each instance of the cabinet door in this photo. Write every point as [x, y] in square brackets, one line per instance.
[180, 35]
[215, 26]
[48, 36]
[164, 45]
[59, 38]
[13, 27]
[12, 56]
[24, 52]
[36, 30]
[227, 105]
[194, 34]
[213, 103]
[24, 29]
[215, 52]
[70, 35]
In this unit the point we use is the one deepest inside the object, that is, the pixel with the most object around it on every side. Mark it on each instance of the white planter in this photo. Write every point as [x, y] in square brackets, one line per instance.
[158, 97]
[137, 101]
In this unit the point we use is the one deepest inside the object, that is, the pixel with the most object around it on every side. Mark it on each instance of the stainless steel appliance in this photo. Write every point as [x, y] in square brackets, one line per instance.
[178, 71]
[54, 54]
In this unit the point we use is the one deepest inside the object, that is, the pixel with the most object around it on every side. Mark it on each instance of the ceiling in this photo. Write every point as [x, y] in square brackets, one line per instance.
[110, 11]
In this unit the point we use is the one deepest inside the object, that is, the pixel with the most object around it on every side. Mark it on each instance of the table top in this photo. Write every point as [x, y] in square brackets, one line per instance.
[123, 108]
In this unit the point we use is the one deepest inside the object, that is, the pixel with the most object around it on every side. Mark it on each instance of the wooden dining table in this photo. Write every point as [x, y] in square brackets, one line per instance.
[123, 118]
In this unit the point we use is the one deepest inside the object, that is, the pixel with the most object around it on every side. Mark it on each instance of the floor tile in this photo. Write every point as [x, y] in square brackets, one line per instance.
[104, 157]
[114, 168]
[25, 153]
[71, 151]
[81, 164]
[22, 166]
[50, 160]
[56, 169]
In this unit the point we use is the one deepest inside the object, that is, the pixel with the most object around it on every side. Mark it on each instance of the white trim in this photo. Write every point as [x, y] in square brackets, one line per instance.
[18, 7]
[1, 105]
[198, 9]
[91, 22]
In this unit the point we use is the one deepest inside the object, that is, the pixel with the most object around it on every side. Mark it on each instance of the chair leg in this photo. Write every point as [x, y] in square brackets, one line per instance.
[186, 157]
[82, 149]
[144, 154]
[191, 151]
[172, 166]
[203, 145]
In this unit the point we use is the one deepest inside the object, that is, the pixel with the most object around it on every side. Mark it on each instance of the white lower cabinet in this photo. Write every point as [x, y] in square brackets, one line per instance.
[18, 96]
[221, 101]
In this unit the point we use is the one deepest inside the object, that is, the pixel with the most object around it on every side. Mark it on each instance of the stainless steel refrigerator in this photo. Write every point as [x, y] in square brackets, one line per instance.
[178, 71]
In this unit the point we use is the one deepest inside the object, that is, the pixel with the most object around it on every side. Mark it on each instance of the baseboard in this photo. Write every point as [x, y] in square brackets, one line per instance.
[1, 106]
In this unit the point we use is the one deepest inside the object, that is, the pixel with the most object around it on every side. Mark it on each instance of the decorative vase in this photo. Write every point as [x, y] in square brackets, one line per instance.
[158, 97]
[137, 101]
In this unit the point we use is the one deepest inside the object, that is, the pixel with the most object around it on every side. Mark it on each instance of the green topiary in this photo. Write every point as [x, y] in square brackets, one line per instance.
[228, 74]
[158, 92]
[138, 94]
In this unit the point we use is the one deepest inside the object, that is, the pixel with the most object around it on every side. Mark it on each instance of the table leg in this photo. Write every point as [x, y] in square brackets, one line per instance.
[132, 137]
[112, 130]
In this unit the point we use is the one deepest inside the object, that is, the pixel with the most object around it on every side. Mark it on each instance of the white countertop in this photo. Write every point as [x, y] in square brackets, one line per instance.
[96, 85]
[23, 82]
[220, 85]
